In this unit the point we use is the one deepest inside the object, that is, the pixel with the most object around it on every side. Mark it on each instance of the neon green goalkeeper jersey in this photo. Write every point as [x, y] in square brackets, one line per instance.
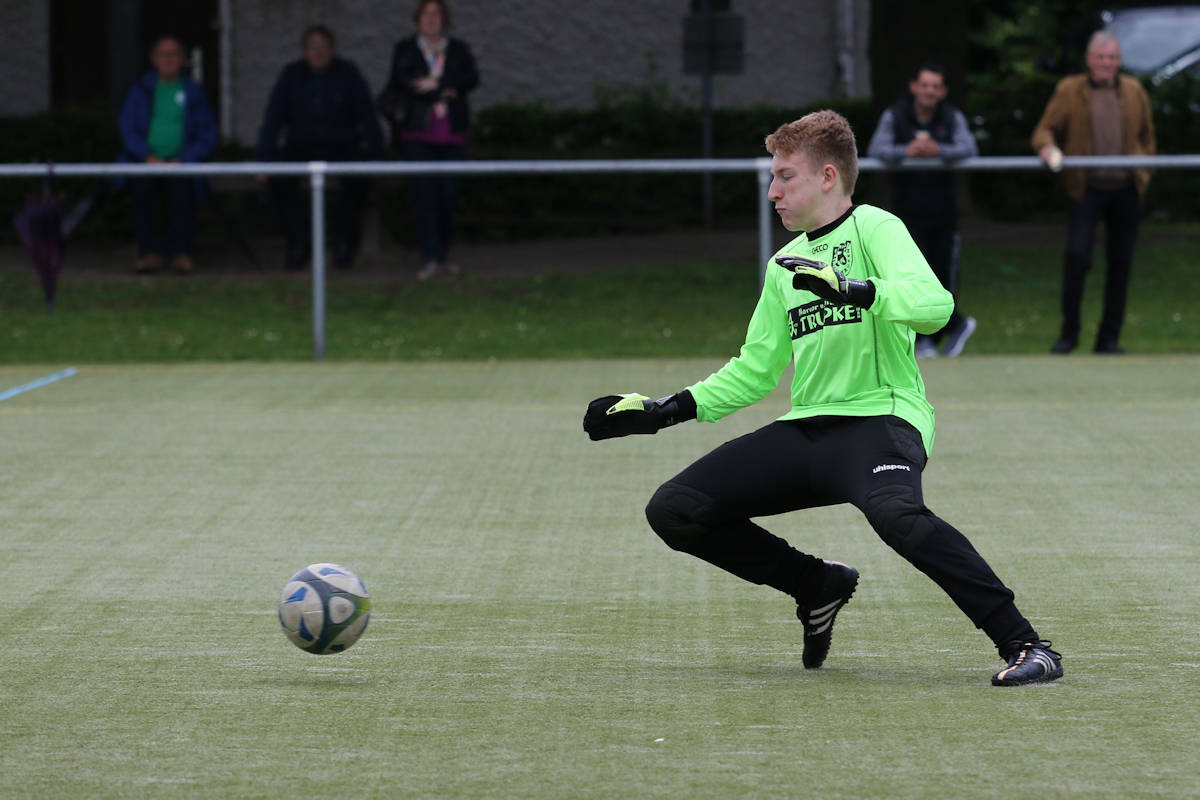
[850, 361]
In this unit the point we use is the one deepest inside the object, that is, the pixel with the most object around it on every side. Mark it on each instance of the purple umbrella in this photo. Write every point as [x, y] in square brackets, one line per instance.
[40, 226]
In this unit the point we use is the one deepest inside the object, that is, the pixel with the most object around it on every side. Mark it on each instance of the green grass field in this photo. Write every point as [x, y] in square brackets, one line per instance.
[531, 637]
[693, 306]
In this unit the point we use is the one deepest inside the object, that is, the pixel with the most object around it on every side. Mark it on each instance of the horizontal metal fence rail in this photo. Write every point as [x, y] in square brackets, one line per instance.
[318, 171]
[976, 164]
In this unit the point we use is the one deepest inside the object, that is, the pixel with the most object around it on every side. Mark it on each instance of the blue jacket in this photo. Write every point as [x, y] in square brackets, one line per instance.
[199, 129]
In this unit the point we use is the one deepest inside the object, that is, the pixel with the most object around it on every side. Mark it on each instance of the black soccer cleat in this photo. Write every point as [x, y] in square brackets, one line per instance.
[840, 582]
[1035, 662]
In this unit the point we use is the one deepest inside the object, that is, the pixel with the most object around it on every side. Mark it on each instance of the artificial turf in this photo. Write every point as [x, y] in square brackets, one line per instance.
[530, 636]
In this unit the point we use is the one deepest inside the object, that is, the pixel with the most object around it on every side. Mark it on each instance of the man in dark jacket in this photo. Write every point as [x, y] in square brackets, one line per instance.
[322, 110]
[923, 125]
[165, 119]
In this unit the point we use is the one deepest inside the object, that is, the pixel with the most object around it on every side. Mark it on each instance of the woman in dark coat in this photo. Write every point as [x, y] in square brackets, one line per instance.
[426, 101]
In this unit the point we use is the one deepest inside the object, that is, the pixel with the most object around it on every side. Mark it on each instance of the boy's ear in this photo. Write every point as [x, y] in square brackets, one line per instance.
[829, 177]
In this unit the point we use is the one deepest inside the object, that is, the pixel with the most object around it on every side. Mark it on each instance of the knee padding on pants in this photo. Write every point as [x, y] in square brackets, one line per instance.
[899, 518]
[678, 514]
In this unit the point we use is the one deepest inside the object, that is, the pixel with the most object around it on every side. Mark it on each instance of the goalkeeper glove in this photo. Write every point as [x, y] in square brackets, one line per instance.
[623, 414]
[824, 281]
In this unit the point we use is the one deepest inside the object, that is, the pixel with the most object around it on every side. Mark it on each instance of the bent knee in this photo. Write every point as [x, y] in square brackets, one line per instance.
[676, 513]
[899, 517]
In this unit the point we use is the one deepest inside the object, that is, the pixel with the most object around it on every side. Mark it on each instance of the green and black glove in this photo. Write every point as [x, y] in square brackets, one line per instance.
[824, 281]
[623, 414]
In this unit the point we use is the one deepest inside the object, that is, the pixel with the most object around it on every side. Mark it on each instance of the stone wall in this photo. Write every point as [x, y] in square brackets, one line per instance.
[24, 57]
[544, 50]
[558, 52]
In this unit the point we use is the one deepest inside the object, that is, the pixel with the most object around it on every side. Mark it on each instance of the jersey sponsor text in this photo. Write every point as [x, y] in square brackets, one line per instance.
[820, 314]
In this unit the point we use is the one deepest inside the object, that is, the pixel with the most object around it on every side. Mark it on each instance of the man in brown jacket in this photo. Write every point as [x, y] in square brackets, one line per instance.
[1098, 113]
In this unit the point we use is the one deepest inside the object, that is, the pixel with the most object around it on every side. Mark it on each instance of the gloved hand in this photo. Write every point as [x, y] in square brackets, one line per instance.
[623, 414]
[826, 282]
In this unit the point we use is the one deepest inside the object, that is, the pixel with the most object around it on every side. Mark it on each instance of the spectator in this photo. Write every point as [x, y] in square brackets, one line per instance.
[321, 108]
[427, 88]
[1100, 113]
[923, 125]
[165, 119]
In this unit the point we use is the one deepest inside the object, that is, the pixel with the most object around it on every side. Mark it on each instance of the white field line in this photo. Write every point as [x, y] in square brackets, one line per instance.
[36, 384]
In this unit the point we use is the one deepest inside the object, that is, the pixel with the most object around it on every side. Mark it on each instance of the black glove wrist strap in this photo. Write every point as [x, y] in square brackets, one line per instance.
[676, 408]
[860, 293]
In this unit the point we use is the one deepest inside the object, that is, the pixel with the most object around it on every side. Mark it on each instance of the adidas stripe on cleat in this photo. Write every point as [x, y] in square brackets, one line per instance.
[1035, 662]
[839, 584]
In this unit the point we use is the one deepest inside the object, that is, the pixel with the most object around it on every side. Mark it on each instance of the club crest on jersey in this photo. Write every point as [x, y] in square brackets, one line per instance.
[840, 259]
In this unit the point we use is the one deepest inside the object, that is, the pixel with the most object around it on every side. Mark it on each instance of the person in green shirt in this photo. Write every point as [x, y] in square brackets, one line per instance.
[165, 119]
[843, 301]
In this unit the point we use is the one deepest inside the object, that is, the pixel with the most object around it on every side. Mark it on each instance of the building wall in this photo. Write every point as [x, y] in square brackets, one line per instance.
[24, 57]
[558, 53]
[528, 50]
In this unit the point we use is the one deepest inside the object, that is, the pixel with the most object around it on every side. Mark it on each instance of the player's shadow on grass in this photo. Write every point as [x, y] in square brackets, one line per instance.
[847, 672]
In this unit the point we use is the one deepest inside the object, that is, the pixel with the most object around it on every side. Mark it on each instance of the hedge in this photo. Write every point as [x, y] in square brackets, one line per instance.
[639, 123]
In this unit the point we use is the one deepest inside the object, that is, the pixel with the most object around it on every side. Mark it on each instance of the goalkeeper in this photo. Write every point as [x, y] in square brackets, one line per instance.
[843, 301]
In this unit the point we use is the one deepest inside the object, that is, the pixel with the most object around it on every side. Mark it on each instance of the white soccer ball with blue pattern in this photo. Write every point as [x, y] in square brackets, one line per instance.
[324, 609]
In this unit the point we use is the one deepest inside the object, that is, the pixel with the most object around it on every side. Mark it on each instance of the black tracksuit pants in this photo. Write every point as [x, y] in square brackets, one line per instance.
[875, 463]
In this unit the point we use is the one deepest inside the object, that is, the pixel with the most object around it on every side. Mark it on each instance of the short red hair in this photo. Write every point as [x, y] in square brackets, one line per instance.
[824, 137]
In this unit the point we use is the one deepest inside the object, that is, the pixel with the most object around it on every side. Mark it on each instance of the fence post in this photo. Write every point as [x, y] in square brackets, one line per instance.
[316, 171]
[764, 219]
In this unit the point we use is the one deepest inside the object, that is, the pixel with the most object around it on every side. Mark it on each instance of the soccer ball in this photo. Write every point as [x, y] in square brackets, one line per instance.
[324, 608]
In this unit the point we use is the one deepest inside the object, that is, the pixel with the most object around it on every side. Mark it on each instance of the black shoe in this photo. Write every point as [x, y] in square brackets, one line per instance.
[1063, 346]
[1109, 347]
[817, 618]
[1035, 662]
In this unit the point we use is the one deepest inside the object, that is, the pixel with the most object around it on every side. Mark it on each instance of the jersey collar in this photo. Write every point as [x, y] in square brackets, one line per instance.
[817, 233]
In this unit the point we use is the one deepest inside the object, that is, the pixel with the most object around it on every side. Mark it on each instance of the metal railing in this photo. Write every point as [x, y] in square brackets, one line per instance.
[317, 171]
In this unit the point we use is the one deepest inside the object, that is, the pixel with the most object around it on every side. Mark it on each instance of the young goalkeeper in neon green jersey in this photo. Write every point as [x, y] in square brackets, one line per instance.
[843, 301]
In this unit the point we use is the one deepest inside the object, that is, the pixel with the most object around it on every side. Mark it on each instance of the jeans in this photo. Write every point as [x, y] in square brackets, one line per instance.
[1119, 209]
[293, 207]
[181, 194]
[433, 197]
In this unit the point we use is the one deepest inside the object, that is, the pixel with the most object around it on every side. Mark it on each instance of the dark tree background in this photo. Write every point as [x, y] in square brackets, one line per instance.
[981, 43]
[905, 35]
[1002, 60]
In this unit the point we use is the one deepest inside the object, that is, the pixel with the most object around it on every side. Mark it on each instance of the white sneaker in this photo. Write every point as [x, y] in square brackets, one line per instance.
[926, 349]
[955, 342]
[429, 270]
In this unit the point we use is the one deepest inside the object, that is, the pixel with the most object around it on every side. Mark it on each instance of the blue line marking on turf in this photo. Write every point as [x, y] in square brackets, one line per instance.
[40, 382]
